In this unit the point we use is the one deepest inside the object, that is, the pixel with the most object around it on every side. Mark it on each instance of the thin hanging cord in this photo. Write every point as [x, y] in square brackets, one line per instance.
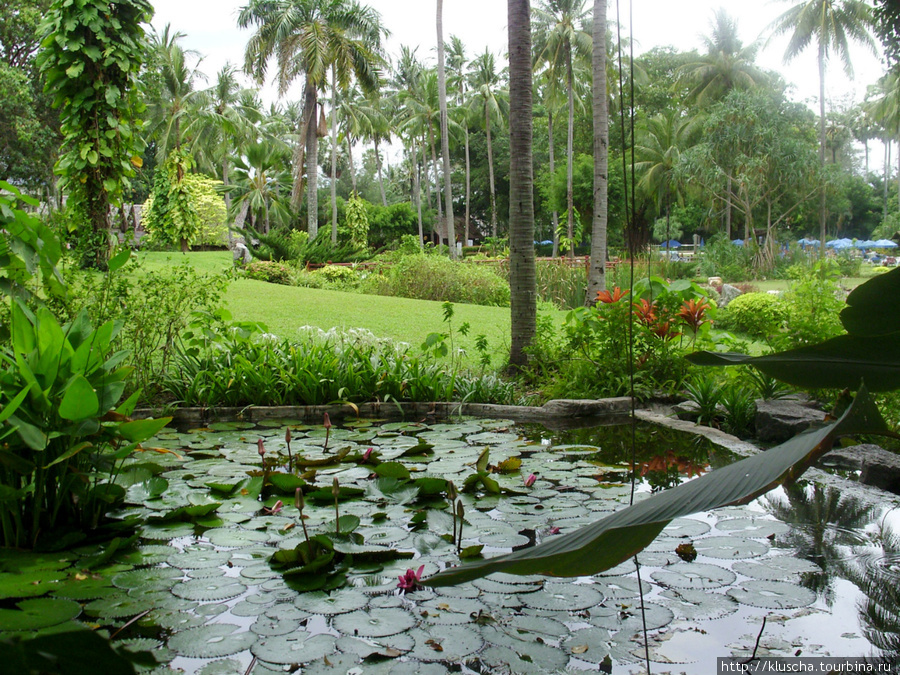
[630, 211]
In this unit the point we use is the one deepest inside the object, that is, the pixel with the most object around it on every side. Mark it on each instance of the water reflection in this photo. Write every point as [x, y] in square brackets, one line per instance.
[825, 525]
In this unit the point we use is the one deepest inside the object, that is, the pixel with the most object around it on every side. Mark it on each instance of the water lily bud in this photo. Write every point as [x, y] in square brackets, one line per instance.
[287, 435]
[335, 488]
[298, 499]
[261, 449]
[530, 480]
[451, 492]
[327, 422]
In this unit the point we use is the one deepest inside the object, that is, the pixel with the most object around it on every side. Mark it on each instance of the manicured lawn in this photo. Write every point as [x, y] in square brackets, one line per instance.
[283, 309]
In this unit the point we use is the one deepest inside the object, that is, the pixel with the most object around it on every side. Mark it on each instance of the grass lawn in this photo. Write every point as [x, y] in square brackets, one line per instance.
[283, 309]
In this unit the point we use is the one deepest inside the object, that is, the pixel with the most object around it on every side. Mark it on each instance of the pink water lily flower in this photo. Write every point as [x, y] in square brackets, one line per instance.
[530, 480]
[276, 507]
[260, 448]
[367, 454]
[410, 580]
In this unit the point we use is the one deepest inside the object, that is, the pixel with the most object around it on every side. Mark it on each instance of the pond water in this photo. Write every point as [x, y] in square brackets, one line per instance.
[820, 566]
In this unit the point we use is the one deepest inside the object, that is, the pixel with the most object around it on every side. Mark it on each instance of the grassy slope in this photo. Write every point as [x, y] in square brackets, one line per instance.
[285, 308]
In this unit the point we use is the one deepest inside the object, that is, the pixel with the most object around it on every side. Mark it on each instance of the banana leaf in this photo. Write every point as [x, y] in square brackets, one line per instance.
[838, 363]
[873, 308]
[614, 539]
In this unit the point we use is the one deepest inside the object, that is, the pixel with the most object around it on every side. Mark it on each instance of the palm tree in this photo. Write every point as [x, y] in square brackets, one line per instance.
[523, 302]
[600, 102]
[885, 110]
[173, 103]
[560, 39]
[450, 228]
[308, 37]
[832, 25]
[726, 66]
[660, 143]
[456, 64]
[261, 185]
[489, 95]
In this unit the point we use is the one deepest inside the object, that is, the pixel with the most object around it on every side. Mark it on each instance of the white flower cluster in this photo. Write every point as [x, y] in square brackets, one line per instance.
[358, 339]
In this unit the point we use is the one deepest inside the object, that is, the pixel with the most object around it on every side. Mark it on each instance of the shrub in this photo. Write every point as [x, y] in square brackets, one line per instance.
[756, 314]
[813, 303]
[272, 272]
[338, 277]
[561, 284]
[880, 270]
[723, 259]
[433, 277]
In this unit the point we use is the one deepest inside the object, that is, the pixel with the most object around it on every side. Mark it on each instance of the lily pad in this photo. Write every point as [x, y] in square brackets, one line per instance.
[209, 590]
[446, 643]
[525, 657]
[38, 613]
[628, 616]
[697, 605]
[755, 528]
[694, 575]
[772, 594]
[560, 597]
[591, 645]
[320, 602]
[775, 568]
[730, 548]
[212, 641]
[30, 584]
[374, 623]
[299, 648]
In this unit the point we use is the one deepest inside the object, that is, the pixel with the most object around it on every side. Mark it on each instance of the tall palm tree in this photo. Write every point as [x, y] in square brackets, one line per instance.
[450, 228]
[493, 99]
[600, 102]
[884, 109]
[727, 65]
[456, 64]
[174, 102]
[560, 39]
[308, 37]
[832, 25]
[261, 185]
[523, 295]
[420, 118]
[659, 145]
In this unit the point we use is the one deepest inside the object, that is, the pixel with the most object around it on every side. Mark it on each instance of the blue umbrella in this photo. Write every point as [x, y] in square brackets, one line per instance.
[672, 243]
[808, 242]
[838, 244]
[885, 243]
[868, 243]
[737, 242]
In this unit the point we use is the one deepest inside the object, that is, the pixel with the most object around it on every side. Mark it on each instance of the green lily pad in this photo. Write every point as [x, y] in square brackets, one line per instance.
[30, 584]
[698, 605]
[730, 548]
[268, 626]
[38, 613]
[525, 658]
[222, 667]
[84, 587]
[755, 528]
[627, 616]
[154, 578]
[299, 648]
[194, 557]
[590, 644]
[209, 590]
[212, 641]
[772, 594]
[560, 597]
[694, 575]
[374, 623]
[775, 568]
[324, 603]
[446, 643]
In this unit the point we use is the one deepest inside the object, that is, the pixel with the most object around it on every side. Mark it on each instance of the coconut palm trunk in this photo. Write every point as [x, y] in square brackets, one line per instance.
[523, 296]
[554, 217]
[334, 210]
[310, 111]
[600, 102]
[490, 153]
[570, 144]
[445, 133]
[821, 59]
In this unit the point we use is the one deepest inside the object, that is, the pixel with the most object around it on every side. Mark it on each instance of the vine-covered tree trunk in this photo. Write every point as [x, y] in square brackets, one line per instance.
[597, 274]
[450, 229]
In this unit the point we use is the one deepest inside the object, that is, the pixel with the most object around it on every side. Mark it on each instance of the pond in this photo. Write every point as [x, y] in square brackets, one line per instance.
[819, 565]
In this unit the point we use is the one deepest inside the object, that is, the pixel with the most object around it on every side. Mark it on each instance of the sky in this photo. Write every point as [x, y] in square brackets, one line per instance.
[210, 28]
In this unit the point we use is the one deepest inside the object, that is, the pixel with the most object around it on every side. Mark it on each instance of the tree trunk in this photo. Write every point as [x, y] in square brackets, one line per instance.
[822, 146]
[334, 213]
[554, 217]
[490, 151]
[468, 185]
[445, 134]
[728, 208]
[570, 142]
[600, 102]
[380, 178]
[312, 171]
[523, 295]
[350, 163]
[887, 177]
[418, 191]
[227, 199]
[437, 185]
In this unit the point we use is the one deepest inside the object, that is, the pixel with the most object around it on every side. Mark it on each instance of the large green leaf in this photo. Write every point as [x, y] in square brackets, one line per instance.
[873, 308]
[139, 431]
[79, 400]
[838, 363]
[617, 537]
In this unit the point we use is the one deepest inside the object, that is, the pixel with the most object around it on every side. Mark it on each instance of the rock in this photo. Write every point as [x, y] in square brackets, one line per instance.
[727, 294]
[714, 281]
[240, 253]
[586, 408]
[780, 420]
[878, 467]
[686, 410]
